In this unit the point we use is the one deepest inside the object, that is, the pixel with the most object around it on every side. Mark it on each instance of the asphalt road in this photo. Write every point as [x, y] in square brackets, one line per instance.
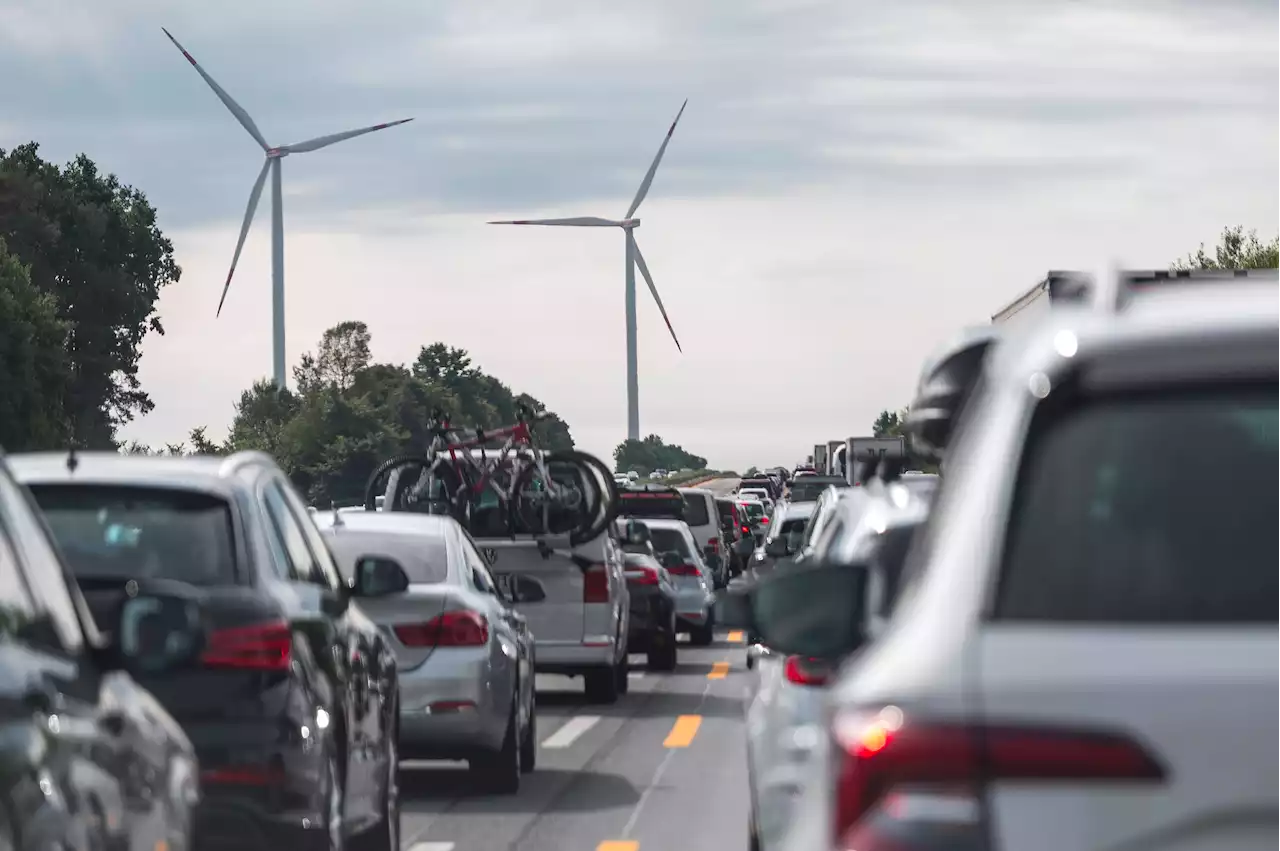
[664, 768]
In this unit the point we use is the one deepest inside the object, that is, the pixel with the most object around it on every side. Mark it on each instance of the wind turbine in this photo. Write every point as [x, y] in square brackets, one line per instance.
[634, 259]
[272, 164]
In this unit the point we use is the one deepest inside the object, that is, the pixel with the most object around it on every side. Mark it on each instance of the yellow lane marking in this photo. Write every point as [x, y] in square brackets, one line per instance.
[682, 732]
[618, 845]
[718, 671]
[735, 637]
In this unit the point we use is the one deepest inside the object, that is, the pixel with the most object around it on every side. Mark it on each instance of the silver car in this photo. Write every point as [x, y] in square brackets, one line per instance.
[465, 656]
[783, 538]
[694, 582]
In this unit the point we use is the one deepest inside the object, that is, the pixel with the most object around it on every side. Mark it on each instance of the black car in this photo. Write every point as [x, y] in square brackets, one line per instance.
[653, 600]
[88, 759]
[770, 486]
[293, 706]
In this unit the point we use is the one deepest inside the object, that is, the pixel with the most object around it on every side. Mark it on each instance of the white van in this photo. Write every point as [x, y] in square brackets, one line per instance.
[703, 519]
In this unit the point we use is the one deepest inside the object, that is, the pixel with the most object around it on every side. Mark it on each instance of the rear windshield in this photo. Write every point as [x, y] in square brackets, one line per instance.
[668, 541]
[645, 503]
[725, 510]
[1150, 510]
[424, 559]
[810, 488]
[753, 509]
[795, 524]
[760, 484]
[137, 532]
[695, 509]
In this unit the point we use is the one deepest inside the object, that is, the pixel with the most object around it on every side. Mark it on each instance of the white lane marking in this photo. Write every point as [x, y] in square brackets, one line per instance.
[570, 731]
[432, 846]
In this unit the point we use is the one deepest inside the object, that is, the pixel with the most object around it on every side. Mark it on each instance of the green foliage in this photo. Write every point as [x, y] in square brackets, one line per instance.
[347, 414]
[751, 471]
[92, 244]
[1235, 250]
[889, 423]
[645, 456]
[35, 375]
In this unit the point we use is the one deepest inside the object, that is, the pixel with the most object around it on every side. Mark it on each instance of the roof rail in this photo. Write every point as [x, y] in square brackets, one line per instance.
[244, 458]
[1119, 288]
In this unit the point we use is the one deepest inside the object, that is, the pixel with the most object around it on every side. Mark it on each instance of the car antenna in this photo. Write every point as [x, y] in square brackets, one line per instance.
[72, 460]
[337, 515]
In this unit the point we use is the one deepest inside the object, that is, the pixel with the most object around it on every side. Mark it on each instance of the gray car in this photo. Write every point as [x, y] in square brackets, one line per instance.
[782, 539]
[695, 584]
[465, 656]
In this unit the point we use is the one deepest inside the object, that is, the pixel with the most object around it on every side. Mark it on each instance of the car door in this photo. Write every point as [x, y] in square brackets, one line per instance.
[103, 774]
[505, 655]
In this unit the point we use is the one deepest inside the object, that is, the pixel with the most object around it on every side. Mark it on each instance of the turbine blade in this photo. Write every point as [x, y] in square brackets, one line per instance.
[238, 111]
[578, 222]
[653, 169]
[648, 279]
[332, 139]
[244, 228]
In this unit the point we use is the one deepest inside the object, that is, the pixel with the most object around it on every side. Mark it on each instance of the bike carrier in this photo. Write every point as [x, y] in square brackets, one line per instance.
[544, 544]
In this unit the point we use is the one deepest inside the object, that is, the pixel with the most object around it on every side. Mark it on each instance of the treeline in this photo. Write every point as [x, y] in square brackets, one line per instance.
[651, 453]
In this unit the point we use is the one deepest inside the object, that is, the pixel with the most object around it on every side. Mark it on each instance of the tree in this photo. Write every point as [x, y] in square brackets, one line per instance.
[889, 423]
[343, 352]
[35, 376]
[92, 243]
[651, 453]
[1235, 250]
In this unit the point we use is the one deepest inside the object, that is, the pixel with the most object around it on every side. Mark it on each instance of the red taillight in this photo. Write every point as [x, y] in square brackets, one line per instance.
[259, 647]
[714, 545]
[885, 752]
[642, 575]
[746, 530]
[683, 570]
[805, 672]
[764, 519]
[595, 584]
[449, 629]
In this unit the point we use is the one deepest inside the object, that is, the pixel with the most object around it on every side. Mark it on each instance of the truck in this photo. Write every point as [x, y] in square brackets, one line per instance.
[834, 462]
[1056, 286]
[859, 449]
[820, 457]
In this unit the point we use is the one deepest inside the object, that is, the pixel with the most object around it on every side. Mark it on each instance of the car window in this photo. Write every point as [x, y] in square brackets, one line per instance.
[1155, 509]
[793, 524]
[695, 509]
[19, 615]
[811, 487]
[424, 562]
[110, 530]
[669, 541]
[35, 546]
[888, 552]
[327, 570]
[478, 568]
[302, 563]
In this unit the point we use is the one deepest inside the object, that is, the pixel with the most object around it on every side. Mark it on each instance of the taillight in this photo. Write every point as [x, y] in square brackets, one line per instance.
[893, 766]
[746, 530]
[642, 575]
[258, 647]
[805, 672]
[764, 519]
[683, 570]
[459, 628]
[595, 584]
[714, 545]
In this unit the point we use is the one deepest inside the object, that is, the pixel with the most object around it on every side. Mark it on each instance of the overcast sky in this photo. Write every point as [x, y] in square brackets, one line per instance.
[851, 183]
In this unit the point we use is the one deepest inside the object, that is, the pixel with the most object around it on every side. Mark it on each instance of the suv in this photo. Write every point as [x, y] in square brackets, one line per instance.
[81, 733]
[1098, 577]
[703, 519]
[287, 650]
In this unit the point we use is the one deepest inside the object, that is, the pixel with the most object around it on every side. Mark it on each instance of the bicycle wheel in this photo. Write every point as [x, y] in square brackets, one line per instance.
[554, 495]
[607, 506]
[379, 482]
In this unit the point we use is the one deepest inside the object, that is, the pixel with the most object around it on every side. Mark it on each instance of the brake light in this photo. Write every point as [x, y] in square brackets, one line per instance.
[642, 575]
[258, 647]
[804, 671]
[595, 584]
[714, 545]
[764, 519]
[888, 759]
[683, 570]
[460, 628]
[746, 530]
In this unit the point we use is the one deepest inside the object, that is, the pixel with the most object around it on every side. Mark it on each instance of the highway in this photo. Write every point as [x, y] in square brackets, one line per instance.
[664, 768]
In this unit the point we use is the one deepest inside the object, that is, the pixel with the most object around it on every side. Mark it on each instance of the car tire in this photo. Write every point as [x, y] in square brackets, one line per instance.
[702, 636]
[529, 745]
[498, 773]
[662, 657]
[623, 672]
[601, 685]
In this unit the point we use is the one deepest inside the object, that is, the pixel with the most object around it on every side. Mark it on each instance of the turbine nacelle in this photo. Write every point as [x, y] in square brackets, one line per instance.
[629, 223]
[277, 153]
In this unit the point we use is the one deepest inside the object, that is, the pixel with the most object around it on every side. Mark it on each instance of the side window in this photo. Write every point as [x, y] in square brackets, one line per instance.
[477, 568]
[47, 596]
[301, 561]
[326, 567]
[18, 611]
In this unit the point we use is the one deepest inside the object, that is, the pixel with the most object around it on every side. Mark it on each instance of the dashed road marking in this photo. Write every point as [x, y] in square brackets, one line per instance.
[683, 731]
[735, 637]
[570, 731]
[719, 671]
[618, 845]
[431, 846]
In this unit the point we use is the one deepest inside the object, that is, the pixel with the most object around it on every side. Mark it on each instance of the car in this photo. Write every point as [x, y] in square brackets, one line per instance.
[757, 519]
[1058, 639]
[771, 488]
[92, 760]
[621, 480]
[632, 476]
[653, 598]
[658, 474]
[808, 488]
[785, 704]
[694, 583]
[703, 519]
[783, 538]
[292, 707]
[737, 535]
[761, 495]
[465, 656]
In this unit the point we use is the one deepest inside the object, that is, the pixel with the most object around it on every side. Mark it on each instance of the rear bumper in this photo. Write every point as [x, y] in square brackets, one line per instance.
[226, 825]
[563, 657]
[447, 709]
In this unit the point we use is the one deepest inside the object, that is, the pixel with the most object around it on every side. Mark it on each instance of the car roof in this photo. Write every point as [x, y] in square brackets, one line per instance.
[798, 509]
[192, 472]
[386, 522]
[663, 523]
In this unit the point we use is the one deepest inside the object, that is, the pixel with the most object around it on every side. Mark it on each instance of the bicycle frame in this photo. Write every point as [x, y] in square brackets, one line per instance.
[519, 436]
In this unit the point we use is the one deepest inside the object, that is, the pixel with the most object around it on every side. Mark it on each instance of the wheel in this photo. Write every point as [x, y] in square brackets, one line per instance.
[385, 836]
[702, 636]
[607, 507]
[567, 470]
[622, 672]
[601, 685]
[662, 657]
[529, 745]
[498, 773]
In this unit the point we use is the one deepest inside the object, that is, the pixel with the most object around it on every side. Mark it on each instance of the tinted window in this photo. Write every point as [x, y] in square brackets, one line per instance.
[795, 524]
[123, 531]
[889, 553]
[811, 487]
[725, 510]
[754, 510]
[695, 509]
[1155, 509]
[426, 561]
[669, 541]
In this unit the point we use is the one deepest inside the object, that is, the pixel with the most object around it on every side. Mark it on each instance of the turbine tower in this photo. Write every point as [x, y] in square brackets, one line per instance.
[633, 259]
[272, 164]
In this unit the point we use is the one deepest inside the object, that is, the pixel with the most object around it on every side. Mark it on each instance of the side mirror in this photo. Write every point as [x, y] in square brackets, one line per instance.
[158, 632]
[733, 609]
[378, 577]
[777, 547]
[815, 612]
